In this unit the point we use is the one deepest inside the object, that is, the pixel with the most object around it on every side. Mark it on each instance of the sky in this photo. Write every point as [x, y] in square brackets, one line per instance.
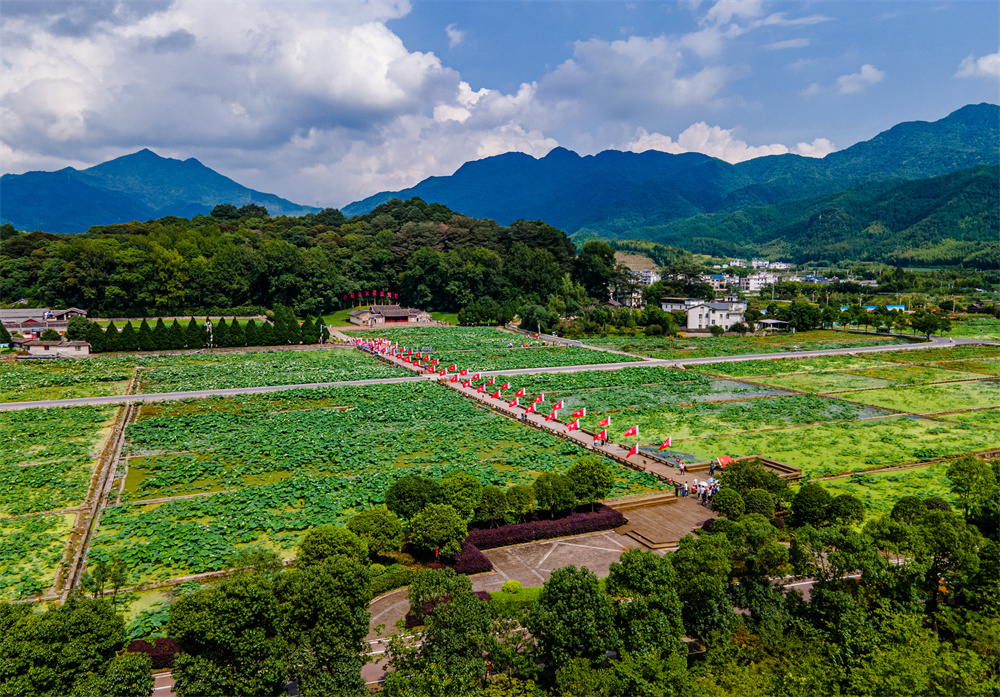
[325, 103]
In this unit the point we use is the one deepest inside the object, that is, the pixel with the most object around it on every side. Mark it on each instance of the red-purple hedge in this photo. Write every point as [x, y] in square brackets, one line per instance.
[576, 523]
[470, 560]
[162, 653]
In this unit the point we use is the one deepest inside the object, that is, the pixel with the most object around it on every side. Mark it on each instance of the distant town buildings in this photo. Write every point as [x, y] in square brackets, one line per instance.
[756, 281]
[33, 321]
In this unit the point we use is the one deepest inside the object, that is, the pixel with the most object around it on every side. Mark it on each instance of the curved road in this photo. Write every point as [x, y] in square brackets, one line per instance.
[936, 342]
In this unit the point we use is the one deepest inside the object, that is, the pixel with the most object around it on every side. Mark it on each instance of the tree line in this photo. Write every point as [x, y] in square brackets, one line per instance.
[434, 258]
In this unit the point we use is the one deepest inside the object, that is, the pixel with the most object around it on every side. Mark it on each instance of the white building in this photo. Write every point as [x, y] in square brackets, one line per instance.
[705, 315]
[756, 281]
[52, 349]
[648, 277]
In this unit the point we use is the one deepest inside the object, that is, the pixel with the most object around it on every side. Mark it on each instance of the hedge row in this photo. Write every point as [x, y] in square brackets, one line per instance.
[470, 560]
[161, 653]
[576, 523]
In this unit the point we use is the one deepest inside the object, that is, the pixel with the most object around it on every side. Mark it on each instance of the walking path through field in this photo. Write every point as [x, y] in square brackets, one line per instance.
[936, 342]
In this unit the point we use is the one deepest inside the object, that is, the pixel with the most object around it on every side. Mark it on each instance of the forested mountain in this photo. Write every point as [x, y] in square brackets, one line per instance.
[941, 220]
[613, 193]
[140, 186]
[434, 258]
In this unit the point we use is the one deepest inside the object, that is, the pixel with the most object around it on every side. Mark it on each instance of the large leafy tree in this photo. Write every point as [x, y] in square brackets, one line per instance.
[592, 480]
[438, 528]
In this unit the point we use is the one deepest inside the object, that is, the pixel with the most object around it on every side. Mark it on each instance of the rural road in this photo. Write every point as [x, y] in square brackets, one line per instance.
[936, 342]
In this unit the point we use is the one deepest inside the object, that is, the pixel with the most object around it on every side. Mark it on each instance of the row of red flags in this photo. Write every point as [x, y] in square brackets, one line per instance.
[415, 358]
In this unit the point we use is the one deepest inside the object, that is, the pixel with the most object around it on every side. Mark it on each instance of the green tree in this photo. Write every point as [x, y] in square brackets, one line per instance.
[237, 334]
[326, 541]
[908, 509]
[592, 480]
[410, 494]
[196, 336]
[220, 334]
[95, 336]
[112, 338]
[971, 480]
[230, 639]
[128, 675]
[50, 335]
[759, 501]
[161, 338]
[47, 653]
[128, 339]
[728, 502]
[554, 492]
[252, 333]
[76, 329]
[145, 337]
[463, 492]
[493, 506]
[379, 528]
[438, 528]
[810, 504]
[846, 509]
[572, 618]
[5, 337]
[520, 499]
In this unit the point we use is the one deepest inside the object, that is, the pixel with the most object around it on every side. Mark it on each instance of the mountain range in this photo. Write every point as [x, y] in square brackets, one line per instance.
[140, 186]
[614, 194]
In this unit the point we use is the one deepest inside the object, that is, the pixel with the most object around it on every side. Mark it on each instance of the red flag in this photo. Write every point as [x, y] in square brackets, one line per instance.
[442, 373]
[397, 296]
[580, 413]
[464, 372]
[603, 435]
[490, 381]
[665, 445]
[476, 376]
[505, 386]
[454, 378]
[381, 294]
[572, 425]
[540, 398]
[604, 422]
[519, 393]
[495, 395]
[557, 405]
[431, 369]
[514, 403]
[481, 388]
[633, 451]
[452, 367]
[467, 383]
[634, 431]
[434, 362]
[530, 409]
[551, 417]
[366, 293]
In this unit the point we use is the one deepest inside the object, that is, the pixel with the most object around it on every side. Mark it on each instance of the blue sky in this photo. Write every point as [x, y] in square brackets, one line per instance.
[328, 102]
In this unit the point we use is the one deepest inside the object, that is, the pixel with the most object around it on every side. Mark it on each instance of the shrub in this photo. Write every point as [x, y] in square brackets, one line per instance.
[325, 541]
[440, 528]
[846, 509]
[654, 330]
[810, 504]
[576, 523]
[380, 529]
[395, 576]
[716, 330]
[936, 503]
[463, 492]
[470, 561]
[759, 501]
[729, 503]
[778, 522]
[908, 509]
[376, 569]
[512, 586]
[161, 653]
[411, 494]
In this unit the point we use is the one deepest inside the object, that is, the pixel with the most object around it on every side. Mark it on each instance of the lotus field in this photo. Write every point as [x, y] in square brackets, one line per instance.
[106, 375]
[487, 349]
[277, 464]
[879, 491]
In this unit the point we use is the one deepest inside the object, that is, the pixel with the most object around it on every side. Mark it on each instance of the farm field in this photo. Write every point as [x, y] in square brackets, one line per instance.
[49, 455]
[952, 353]
[30, 550]
[985, 366]
[823, 382]
[105, 375]
[701, 347]
[827, 449]
[979, 418]
[925, 399]
[287, 462]
[986, 328]
[879, 491]
[784, 366]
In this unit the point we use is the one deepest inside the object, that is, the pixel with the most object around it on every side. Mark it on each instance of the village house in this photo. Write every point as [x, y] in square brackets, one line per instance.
[704, 315]
[34, 321]
[51, 349]
[387, 314]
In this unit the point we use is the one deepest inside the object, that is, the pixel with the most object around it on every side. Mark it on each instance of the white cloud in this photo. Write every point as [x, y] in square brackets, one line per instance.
[719, 142]
[985, 66]
[854, 83]
[788, 43]
[857, 82]
[455, 35]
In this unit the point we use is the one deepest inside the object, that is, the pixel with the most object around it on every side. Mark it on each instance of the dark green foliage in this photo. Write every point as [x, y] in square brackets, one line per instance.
[112, 338]
[161, 338]
[438, 528]
[971, 480]
[220, 334]
[97, 338]
[846, 509]
[728, 502]
[196, 336]
[985, 515]
[379, 528]
[759, 501]
[810, 504]
[237, 335]
[554, 492]
[746, 475]
[592, 479]
[76, 329]
[145, 337]
[410, 494]
[463, 492]
[252, 333]
[327, 541]
[5, 337]
[128, 339]
[46, 653]
[50, 335]
[908, 509]
[493, 505]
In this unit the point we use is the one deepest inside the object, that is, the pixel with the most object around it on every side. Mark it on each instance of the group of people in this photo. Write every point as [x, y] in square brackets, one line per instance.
[702, 490]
